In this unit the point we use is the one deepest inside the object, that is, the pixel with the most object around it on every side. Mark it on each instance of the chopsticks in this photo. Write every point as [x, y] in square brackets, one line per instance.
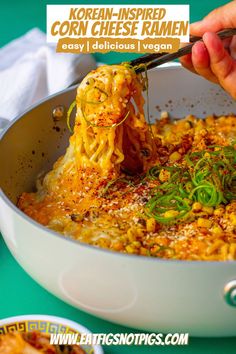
[156, 59]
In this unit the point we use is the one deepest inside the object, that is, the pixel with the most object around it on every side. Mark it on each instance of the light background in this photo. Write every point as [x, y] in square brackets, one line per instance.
[19, 294]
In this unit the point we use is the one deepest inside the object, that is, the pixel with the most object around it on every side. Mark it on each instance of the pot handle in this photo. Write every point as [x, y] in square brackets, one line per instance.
[230, 293]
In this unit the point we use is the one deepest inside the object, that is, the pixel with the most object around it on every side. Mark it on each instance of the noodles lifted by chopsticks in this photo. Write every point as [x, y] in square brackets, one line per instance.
[110, 135]
[109, 120]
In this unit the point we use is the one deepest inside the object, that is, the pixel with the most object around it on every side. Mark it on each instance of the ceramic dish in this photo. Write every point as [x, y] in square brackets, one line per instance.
[47, 325]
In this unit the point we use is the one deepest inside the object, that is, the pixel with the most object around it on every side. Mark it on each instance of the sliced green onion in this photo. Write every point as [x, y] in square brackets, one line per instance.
[209, 177]
[72, 106]
[94, 102]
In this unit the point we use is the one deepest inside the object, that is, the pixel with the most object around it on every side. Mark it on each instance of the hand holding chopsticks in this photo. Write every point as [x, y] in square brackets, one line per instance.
[154, 60]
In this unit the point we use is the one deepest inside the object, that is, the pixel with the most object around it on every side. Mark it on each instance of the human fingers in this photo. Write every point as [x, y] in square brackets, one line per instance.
[201, 62]
[221, 63]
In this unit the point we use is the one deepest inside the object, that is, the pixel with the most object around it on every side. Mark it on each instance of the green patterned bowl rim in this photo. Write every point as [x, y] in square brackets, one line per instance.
[45, 324]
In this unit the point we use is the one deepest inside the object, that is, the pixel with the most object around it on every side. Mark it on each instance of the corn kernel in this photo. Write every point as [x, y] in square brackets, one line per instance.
[217, 230]
[187, 125]
[131, 235]
[196, 207]
[207, 155]
[171, 213]
[219, 212]
[136, 244]
[208, 210]
[139, 232]
[129, 249]
[175, 156]
[201, 222]
[164, 175]
[232, 218]
[151, 225]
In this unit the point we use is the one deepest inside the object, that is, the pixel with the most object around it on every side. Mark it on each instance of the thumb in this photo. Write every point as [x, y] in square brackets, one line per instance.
[218, 19]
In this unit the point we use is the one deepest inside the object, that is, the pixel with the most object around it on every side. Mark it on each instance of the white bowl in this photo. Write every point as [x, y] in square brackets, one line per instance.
[146, 293]
[45, 324]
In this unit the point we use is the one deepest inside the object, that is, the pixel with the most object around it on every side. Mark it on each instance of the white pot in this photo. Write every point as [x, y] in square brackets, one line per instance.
[136, 291]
